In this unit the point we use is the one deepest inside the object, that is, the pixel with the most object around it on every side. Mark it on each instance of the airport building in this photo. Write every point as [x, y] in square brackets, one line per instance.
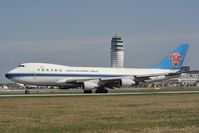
[190, 78]
[117, 52]
[191, 74]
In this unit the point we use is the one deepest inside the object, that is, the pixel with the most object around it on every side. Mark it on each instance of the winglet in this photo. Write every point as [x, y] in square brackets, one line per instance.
[175, 59]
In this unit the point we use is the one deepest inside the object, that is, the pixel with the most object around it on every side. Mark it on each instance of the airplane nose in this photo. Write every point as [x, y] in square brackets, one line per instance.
[8, 75]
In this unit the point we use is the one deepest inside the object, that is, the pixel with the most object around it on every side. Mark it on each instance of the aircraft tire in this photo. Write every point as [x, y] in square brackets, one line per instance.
[102, 90]
[105, 91]
[27, 92]
[87, 91]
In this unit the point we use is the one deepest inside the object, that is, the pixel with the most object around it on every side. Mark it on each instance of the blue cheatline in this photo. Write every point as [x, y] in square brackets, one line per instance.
[16, 75]
[175, 59]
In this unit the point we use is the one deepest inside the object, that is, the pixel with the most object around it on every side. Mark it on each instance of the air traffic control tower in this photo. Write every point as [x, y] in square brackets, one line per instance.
[117, 52]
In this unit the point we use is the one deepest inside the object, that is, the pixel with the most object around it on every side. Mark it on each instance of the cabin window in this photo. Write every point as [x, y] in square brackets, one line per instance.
[21, 66]
[51, 70]
[55, 70]
[60, 70]
[38, 69]
[47, 70]
[43, 70]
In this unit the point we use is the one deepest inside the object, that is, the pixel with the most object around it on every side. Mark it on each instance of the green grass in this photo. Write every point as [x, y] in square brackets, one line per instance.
[112, 114]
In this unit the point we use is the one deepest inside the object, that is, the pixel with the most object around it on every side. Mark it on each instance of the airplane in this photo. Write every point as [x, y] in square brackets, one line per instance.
[96, 78]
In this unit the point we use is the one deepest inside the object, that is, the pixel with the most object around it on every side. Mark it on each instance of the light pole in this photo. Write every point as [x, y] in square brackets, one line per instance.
[2, 75]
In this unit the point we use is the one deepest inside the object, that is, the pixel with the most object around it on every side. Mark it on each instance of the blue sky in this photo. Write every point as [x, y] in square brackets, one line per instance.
[78, 32]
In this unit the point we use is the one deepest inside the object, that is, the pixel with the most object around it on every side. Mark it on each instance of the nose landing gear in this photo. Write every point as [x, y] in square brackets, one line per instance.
[27, 91]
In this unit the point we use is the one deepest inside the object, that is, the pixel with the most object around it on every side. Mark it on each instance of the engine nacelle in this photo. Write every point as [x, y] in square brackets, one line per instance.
[127, 82]
[65, 87]
[157, 78]
[90, 85]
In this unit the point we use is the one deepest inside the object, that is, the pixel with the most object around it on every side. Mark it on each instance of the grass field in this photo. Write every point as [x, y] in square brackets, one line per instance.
[93, 114]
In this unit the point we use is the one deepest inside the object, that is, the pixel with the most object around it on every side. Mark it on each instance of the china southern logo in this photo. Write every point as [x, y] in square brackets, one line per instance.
[176, 58]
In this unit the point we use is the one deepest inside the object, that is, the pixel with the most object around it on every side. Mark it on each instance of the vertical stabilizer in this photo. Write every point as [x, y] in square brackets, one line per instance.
[175, 59]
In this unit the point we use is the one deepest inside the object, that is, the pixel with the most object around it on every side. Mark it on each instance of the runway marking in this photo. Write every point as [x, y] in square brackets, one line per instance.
[107, 94]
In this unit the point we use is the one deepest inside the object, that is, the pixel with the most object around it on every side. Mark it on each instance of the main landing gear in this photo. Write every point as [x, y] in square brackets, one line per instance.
[101, 90]
[87, 91]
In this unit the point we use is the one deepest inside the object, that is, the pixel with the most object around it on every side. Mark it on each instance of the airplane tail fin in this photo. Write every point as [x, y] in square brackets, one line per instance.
[175, 59]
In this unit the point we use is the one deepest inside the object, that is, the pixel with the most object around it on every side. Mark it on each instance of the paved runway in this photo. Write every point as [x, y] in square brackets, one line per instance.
[107, 94]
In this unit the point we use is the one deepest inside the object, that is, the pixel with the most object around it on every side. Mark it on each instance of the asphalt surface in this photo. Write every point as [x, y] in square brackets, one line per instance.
[78, 92]
[104, 94]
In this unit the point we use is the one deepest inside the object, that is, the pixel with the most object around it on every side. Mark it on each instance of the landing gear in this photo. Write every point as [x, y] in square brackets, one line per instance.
[27, 91]
[101, 90]
[87, 91]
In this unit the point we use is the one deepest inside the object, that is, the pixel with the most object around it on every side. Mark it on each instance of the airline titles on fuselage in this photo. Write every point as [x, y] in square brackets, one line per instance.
[66, 70]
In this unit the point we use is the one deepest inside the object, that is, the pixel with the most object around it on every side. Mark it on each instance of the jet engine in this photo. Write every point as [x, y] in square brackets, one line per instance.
[90, 85]
[156, 78]
[65, 87]
[127, 82]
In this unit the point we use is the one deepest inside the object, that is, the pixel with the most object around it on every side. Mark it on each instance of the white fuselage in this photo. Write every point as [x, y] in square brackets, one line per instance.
[51, 74]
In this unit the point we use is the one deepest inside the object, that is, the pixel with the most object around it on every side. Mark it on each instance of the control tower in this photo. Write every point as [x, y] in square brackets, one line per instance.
[117, 52]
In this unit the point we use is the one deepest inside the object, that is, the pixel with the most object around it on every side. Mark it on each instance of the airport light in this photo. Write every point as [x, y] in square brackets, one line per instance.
[1, 74]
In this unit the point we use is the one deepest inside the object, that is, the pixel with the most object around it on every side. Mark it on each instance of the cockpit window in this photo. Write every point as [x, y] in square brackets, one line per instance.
[21, 66]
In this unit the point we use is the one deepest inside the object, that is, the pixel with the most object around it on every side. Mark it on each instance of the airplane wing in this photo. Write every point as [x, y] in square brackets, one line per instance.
[102, 82]
[113, 82]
